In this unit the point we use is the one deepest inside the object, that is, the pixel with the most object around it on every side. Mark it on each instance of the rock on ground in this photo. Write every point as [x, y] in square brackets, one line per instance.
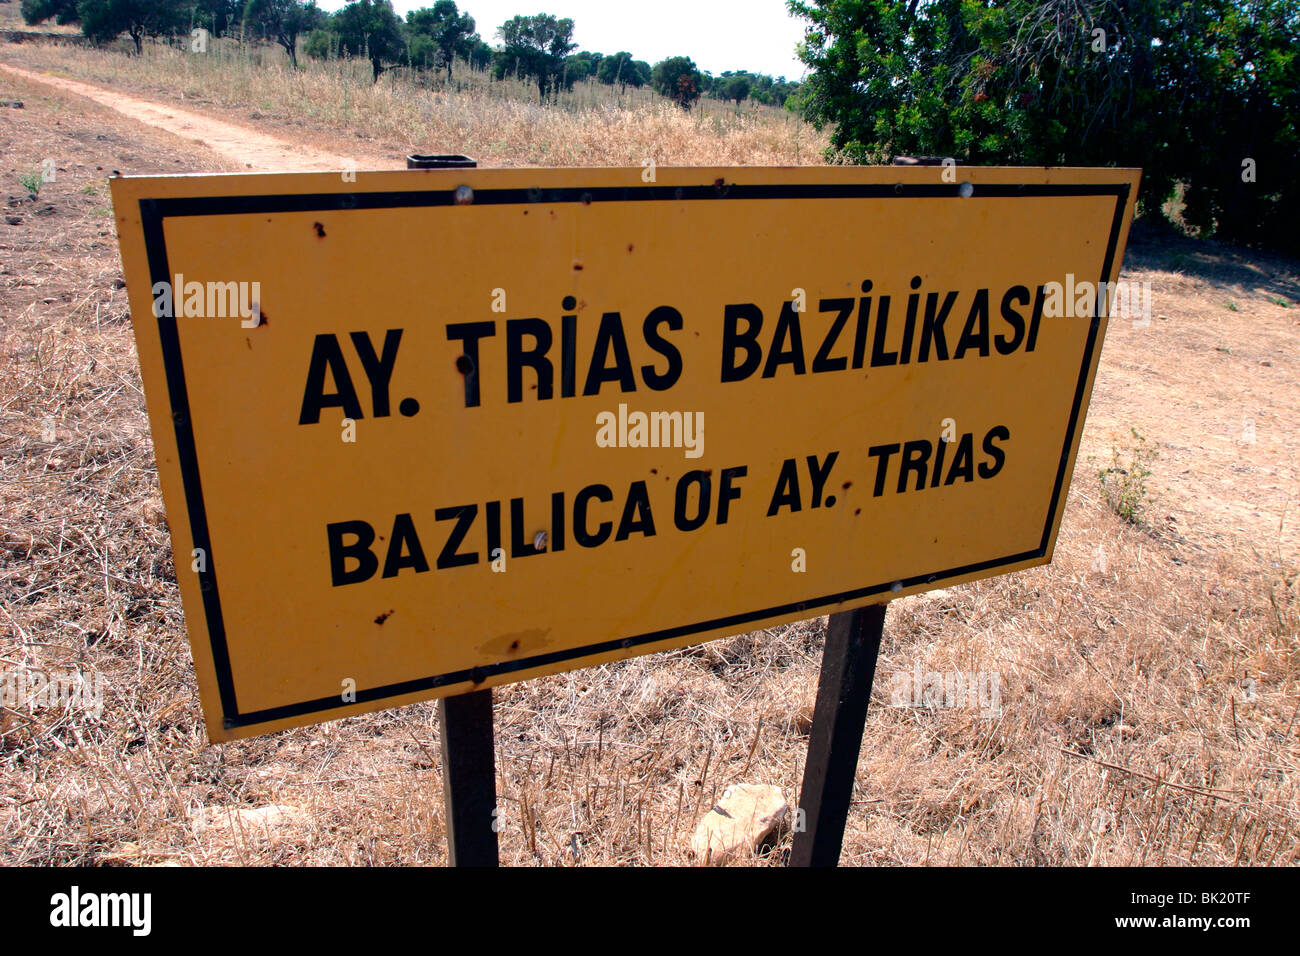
[739, 823]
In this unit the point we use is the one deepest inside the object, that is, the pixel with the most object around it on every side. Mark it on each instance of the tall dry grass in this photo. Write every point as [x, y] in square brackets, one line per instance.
[499, 122]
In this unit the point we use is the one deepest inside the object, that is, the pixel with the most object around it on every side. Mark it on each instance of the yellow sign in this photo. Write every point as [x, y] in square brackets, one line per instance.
[423, 432]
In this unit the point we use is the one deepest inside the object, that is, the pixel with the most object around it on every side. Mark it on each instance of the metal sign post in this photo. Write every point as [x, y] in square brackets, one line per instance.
[469, 778]
[465, 721]
[848, 668]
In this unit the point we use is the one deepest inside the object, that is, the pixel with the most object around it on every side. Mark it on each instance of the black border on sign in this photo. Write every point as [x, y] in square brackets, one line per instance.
[153, 212]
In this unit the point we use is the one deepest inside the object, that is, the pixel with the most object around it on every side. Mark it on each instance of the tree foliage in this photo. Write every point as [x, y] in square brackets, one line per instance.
[580, 66]
[321, 43]
[283, 21]
[679, 79]
[38, 11]
[370, 29]
[535, 47]
[105, 20]
[478, 53]
[215, 16]
[438, 34]
[772, 91]
[733, 86]
[624, 70]
[1187, 91]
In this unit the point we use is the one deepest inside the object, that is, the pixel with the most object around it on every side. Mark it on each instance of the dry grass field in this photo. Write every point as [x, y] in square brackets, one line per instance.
[1150, 677]
[498, 123]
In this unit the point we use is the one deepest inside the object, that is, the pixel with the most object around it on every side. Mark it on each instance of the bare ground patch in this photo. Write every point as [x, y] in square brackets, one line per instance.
[241, 147]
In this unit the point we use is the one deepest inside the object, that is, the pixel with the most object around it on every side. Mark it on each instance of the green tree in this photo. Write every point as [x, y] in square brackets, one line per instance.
[575, 70]
[535, 47]
[283, 21]
[679, 79]
[38, 11]
[370, 28]
[321, 43]
[620, 68]
[581, 65]
[439, 34]
[779, 93]
[610, 70]
[733, 86]
[1187, 91]
[216, 16]
[641, 73]
[769, 90]
[478, 53]
[421, 48]
[105, 20]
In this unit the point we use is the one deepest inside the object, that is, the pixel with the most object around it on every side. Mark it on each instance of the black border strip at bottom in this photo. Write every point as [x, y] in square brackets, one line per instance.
[154, 211]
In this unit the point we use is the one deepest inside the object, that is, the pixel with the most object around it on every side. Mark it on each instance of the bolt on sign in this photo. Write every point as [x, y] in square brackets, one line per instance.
[423, 432]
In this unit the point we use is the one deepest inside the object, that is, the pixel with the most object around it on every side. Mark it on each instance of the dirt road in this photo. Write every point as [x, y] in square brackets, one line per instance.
[245, 148]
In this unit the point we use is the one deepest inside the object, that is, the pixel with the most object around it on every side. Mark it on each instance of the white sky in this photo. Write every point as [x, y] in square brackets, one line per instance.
[718, 35]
